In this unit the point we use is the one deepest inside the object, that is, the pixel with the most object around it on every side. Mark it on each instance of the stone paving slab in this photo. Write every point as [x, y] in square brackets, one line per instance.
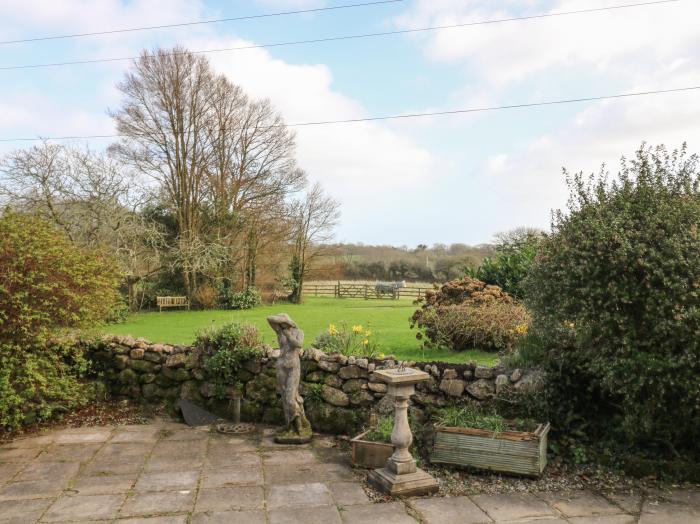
[436, 510]
[169, 473]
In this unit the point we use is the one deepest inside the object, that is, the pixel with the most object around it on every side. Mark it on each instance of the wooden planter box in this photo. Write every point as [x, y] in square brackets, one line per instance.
[368, 454]
[516, 452]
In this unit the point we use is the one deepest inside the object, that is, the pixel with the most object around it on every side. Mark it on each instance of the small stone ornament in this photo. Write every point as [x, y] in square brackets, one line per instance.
[290, 338]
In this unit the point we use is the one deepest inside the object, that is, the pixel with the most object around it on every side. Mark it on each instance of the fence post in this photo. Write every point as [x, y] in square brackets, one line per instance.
[365, 291]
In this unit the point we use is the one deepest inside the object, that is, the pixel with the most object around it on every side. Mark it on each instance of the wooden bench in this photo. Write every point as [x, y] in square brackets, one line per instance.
[172, 302]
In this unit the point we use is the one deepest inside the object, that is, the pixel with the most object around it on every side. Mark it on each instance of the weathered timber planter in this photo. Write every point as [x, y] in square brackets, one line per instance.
[519, 452]
[369, 454]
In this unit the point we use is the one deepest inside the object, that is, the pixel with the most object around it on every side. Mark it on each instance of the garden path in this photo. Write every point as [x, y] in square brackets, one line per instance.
[166, 472]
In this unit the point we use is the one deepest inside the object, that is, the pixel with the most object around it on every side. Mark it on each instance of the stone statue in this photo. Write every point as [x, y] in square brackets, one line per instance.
[291, 338]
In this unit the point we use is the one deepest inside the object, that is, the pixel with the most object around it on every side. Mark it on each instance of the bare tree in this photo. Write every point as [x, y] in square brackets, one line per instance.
[164, 118]
[313, 221]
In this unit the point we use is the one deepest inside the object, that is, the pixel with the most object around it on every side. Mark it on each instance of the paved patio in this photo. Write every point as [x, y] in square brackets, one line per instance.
[169, 473]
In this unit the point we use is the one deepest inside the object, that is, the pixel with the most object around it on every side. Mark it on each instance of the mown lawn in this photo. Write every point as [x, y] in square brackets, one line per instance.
[388, 320]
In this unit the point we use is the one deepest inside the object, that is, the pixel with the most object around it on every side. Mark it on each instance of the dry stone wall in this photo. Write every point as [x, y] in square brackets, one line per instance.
[339, 391]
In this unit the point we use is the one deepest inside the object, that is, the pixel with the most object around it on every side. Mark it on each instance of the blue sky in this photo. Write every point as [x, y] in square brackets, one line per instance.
[438, 179]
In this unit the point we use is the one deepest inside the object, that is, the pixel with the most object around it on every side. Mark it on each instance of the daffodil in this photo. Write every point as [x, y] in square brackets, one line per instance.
[332, 330]
[521, 329]
[357, 329]
[365, 342]
[368, 333]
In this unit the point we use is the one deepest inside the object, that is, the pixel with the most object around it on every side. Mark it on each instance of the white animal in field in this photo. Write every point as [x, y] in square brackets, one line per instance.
[385, 288]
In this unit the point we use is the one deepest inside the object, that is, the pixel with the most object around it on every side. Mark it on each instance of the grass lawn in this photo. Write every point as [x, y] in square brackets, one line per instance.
[388, 320]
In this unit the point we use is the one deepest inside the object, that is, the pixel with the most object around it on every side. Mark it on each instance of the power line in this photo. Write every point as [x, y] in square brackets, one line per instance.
[352, 37]
[417, 115]
[194, 23]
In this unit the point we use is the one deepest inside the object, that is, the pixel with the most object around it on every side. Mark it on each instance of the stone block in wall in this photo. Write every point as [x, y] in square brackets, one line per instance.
[336, 420]
[207, 389]
[483, 372]
[429, 399]
[152, 391]
[334, 396]
[452, 387]
[190, 391]
[501, 382]
[192, 360]
[532, 382]
[449, 374]
[331, 367]
[164, 381]
[308, 366]
[152, 356]
[262, 389]
[516, 375]
[312, 354]
[120, 361]
[468, 374]
[128, 376]
[137, 353]
[333, 381]
[315, 376]
[354, 384]
[377, 387]
[252, 365]
[198, 373]
[481, 389]
[147, 378]
[176, 374]
[176, 360]
[142, 366]
[361, 398]
[244, 376]
[362, 363]
[353, 371]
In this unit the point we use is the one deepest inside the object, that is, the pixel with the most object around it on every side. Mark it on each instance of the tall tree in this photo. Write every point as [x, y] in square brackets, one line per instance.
[313, 221]
[164, 118]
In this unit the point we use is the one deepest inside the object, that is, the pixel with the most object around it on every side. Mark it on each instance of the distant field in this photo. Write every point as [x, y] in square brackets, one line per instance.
[424, 285]
[388, 320]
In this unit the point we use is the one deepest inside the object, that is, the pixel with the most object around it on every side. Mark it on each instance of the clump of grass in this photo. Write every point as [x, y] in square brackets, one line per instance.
[382, 432]
[469, 416]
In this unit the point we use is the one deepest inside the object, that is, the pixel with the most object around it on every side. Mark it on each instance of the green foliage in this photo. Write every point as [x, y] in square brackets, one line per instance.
[313, 393]
[247, 299]
[615, 293]
[382, 431]
[225, 350]
[471, 416]
[38, 382]
[46, 282]
[467, 313]
[357, 341]
[508, 269]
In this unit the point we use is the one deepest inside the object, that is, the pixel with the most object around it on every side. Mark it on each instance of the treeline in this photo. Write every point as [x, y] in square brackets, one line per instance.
[201, 195]
[437, 263]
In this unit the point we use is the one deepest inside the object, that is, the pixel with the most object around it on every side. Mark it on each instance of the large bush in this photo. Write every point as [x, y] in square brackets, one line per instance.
[615, 293]
[467, 313]
[515, 252]
[46, 283]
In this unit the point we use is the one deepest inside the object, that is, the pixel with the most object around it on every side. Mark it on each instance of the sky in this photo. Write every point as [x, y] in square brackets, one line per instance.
[440, 179]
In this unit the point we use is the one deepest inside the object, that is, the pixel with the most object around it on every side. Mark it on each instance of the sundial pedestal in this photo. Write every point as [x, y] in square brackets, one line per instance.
[401, 476]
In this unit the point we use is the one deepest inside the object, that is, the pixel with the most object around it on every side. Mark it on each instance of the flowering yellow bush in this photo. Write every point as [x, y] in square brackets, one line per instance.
[356, 341]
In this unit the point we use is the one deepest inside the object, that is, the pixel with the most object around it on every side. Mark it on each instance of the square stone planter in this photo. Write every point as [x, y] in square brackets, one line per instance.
[369, 454]
[516, 452]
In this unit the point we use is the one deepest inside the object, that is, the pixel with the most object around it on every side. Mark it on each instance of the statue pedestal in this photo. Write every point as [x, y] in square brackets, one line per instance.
[401, 476]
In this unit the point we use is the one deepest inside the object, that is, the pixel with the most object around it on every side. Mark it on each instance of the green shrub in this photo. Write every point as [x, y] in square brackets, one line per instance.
[38, 382]
[515, 252]
[615, 293]
[46, 283]
[467, 313]
[471, 416]
[382, 431]
[247, 299]
[225, 350]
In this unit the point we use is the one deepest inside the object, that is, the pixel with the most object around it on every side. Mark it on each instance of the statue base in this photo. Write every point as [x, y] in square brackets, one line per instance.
[407, 484]
[290, 437]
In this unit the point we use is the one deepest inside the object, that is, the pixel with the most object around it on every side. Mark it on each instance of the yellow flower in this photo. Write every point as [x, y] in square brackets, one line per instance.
[368, 333]
[521, 329]
[332, 330]
[381, 356]
[357, 329]
[365, 342]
